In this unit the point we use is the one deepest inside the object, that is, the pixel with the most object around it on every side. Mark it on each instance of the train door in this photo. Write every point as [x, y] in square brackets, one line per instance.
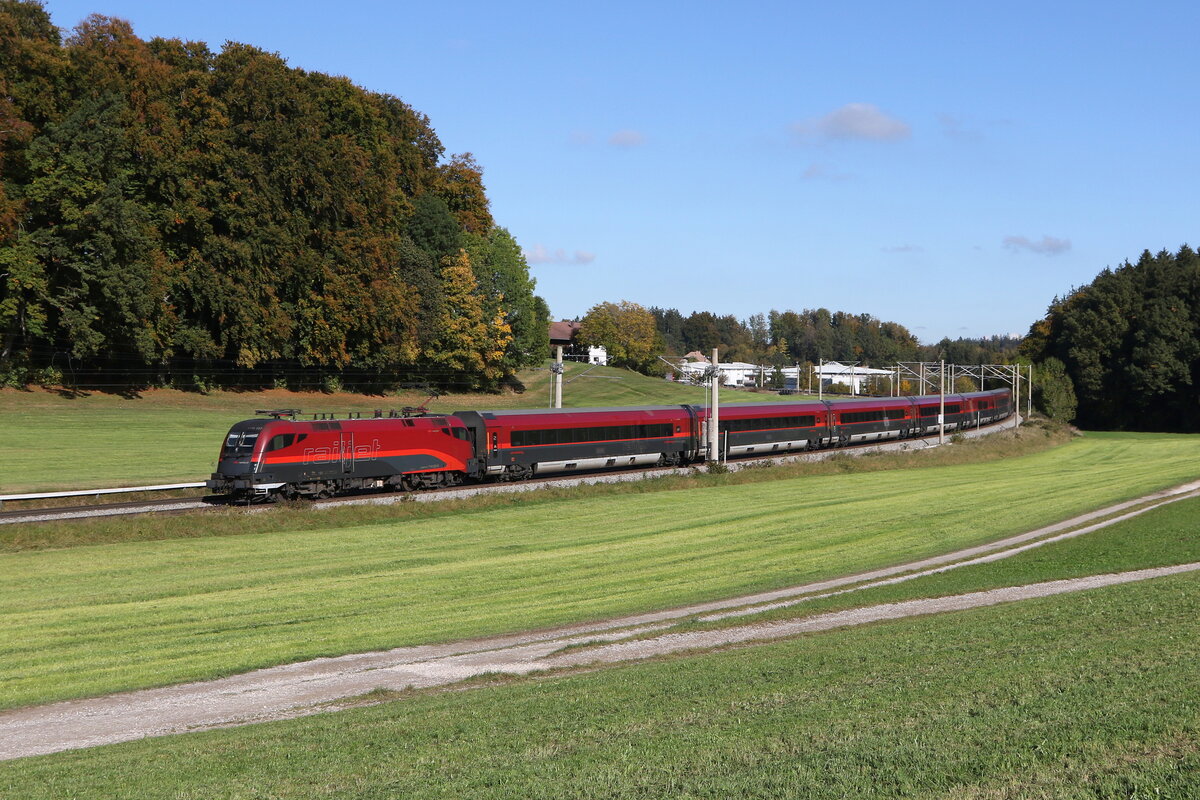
[346, 445]
[479, 438]
[694, 434]
[831, 434]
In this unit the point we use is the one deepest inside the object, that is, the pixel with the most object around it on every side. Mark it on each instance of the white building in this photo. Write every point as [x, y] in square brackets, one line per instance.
[855, 377]
[733, 373]
[739, 373]
[598, 355]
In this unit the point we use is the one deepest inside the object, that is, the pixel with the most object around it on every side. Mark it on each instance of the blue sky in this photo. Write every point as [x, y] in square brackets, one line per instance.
[949, 166]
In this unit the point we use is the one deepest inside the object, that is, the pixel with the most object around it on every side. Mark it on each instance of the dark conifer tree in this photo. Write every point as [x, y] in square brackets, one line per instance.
[1128, 342]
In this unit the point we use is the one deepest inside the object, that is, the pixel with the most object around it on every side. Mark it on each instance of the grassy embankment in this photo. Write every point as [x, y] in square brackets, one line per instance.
[1159, 537]
[298, 585]
[164, 436]
[1092, 695]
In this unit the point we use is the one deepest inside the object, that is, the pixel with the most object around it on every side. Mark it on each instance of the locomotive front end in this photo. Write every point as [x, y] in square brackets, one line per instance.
[236, 466]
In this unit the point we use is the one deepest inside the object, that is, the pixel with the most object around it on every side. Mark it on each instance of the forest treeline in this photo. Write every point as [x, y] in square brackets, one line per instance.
[787, 337]
[636, 337]
[171, 214]
[1124, 351]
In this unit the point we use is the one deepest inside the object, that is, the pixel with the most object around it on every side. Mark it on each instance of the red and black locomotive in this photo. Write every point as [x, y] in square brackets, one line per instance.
[281, 457]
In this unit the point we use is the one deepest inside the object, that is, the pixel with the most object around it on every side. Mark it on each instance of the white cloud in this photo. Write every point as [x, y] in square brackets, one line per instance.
[862, 121]
[627, 138]
[823, 172]
[540, 254]
[1046, 246]
[958, 129]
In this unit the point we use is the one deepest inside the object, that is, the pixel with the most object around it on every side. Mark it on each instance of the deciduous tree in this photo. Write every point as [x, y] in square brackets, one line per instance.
[626, 330]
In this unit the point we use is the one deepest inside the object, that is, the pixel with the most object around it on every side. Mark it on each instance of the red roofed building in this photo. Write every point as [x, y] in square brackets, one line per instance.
[563, 333]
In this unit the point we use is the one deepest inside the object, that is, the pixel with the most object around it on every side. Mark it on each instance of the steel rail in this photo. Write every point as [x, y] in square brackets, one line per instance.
[89, 492]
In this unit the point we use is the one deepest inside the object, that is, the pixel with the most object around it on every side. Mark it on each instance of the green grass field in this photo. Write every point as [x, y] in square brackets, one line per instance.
[1090, 695]
[1161, 537]
[306, 585]
[166, 436]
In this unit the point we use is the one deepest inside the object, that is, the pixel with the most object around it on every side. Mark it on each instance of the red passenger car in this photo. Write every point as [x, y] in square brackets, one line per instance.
[518, 444]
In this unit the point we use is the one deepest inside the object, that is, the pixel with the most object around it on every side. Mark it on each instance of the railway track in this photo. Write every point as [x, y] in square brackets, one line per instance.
[175, 504]
[184, 505]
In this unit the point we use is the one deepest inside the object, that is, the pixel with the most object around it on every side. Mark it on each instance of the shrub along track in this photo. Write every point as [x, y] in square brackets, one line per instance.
[331, 683]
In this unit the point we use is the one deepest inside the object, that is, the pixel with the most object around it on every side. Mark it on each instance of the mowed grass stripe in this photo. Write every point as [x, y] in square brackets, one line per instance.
[1076, 696]
[96, 619]
[1163, 536]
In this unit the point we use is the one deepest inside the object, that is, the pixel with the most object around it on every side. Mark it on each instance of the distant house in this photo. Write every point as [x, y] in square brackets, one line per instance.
[563, 333]
[598, 355]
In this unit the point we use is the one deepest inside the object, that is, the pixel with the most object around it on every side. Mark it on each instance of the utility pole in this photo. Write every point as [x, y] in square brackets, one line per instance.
[1029, 394]
[714, 413]
[821, 381]
[942, 408]
[1017, 392]
[556, 375]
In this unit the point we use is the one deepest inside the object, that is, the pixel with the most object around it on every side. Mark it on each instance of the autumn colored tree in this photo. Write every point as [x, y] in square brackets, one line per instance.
[469, 344]
[166, 210]
[459, 182]
[502, 274]
[32, 69]
[627, 331]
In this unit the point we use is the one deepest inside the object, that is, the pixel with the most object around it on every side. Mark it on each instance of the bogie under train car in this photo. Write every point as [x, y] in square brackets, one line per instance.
[277, 457]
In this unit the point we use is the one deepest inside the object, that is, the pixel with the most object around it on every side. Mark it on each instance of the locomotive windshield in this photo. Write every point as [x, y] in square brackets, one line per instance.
[240, 441]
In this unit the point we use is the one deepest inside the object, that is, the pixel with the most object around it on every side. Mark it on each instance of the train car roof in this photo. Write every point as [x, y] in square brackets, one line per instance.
[861, 402]
[759, 408]
[431, 419]
[527, 412]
